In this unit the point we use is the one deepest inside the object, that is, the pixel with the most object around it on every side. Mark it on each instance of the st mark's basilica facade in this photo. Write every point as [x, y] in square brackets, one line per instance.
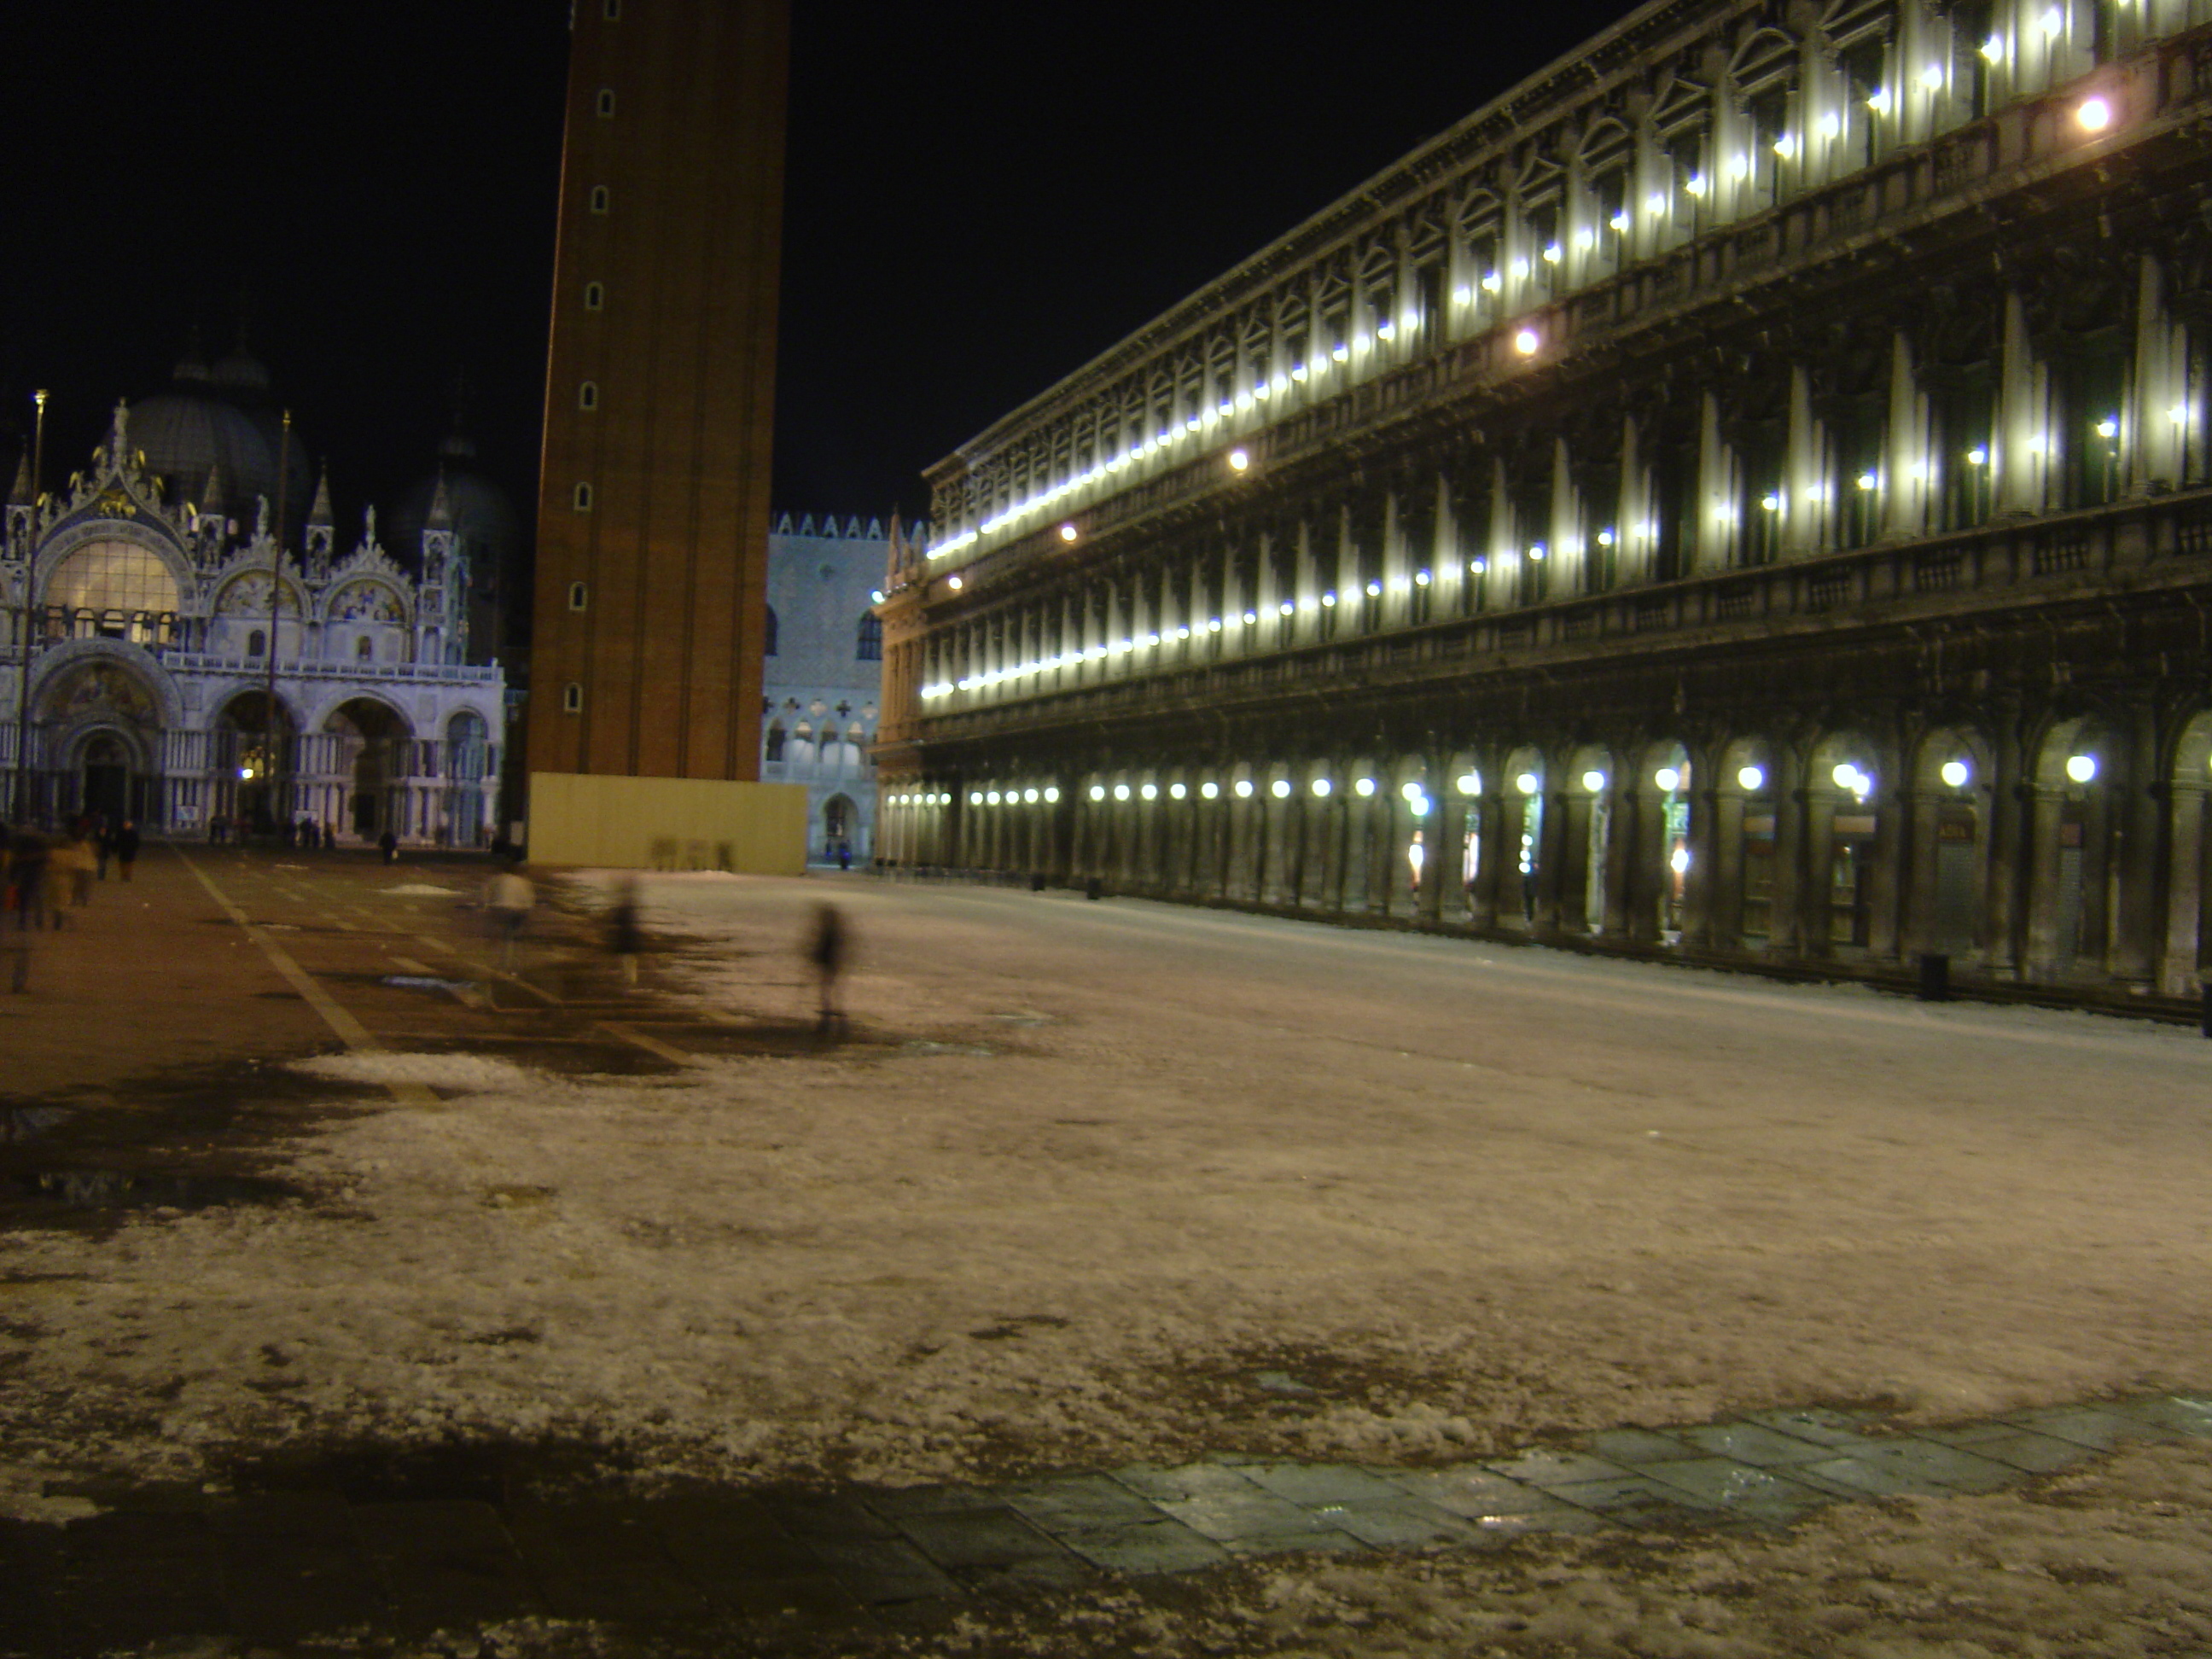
[144, 604]
[1742, 495]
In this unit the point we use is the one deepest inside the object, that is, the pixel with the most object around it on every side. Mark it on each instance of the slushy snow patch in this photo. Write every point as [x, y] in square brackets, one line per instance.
[474, 1073]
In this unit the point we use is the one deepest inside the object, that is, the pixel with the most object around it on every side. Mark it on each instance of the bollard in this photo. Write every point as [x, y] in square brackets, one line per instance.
[1094, 888]
[1935, 977]
[1037, 881]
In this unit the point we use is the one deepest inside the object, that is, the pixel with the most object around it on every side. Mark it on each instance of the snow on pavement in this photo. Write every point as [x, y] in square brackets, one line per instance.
[1108, 1163]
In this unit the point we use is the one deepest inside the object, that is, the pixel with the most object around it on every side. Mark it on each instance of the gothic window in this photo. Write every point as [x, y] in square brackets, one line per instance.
[595, 296]
[601, 199]
[583, 498]
[606, 102]
[768, 648]
[364, 648]
[579, 595]
[776, 740]
[571, 698]
[871, 637]
[256, 643]
[587, 395]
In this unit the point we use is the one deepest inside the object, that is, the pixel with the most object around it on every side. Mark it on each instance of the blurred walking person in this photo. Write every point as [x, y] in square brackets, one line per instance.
[15, 938]
[27, 855]
[623, 936]
[827, 950]
[126, 849]
[73, 858]
[508, 899]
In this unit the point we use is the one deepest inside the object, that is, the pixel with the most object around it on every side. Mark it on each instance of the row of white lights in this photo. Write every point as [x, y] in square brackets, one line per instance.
[1848, 776]
[2092, 114]
[1374, 590]
[1526, 341]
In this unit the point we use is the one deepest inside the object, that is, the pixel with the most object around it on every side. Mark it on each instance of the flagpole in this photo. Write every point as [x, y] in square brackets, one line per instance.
[270, 769]
[23, 631]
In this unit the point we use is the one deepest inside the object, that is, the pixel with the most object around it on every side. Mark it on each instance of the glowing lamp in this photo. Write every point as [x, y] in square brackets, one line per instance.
[953, 582]
[1209, 790]
[2081, 767]
[1068, 532]
[1955, 774]
[1669, 778]
[2093, 114]
[1751, 780]
[1320, 787]
[1280, 788]
[1594, 782]
[1243, 788]
[1239, 460]
[1097, 792]
[1176, 792]
[1150, 792]
[1470, 783]
[1528, 783]
[1525, 340]
[1364, 788]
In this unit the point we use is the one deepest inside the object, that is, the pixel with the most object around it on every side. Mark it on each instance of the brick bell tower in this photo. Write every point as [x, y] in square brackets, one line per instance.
[653, 487]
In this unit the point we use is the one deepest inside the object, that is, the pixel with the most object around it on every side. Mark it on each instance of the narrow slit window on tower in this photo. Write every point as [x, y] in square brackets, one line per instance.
[579, 597]
[587, 395]
[606, 102]
[600, 198]
[571, 698]
[583, 498]
[595, 296]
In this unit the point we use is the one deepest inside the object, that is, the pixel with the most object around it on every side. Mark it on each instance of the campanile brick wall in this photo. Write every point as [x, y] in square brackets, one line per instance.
[665, 305]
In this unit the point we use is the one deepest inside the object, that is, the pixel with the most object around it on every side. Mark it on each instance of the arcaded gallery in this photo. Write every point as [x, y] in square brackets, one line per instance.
[1742, 493]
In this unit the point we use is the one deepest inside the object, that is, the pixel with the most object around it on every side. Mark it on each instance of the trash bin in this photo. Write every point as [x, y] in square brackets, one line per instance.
[1037, 881]
[1094, 888]
[1935, 977]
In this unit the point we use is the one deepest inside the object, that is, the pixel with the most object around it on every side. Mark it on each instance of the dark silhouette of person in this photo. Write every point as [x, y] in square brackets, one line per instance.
[624, 938]
[828, 949]
[388, 844]
[126, 849]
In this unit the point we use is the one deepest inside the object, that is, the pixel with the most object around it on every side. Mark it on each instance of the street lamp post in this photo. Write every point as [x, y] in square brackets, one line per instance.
[21, 799]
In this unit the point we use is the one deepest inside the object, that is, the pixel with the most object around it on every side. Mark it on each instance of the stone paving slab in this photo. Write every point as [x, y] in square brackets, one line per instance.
[283, 1570]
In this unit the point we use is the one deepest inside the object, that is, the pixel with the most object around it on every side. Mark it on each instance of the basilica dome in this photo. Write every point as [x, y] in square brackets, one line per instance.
[484, 520]
[205, 427]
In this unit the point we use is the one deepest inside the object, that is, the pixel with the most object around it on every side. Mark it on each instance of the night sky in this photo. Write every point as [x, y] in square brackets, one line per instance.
[981, 199]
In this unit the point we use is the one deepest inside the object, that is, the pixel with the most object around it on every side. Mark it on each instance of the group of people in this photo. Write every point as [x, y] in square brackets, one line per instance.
[33, 864]
[508, 899]
[302, 832]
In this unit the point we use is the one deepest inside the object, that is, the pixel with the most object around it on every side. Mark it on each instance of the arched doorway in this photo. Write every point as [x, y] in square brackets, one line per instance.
[838, 817]
[373, 764]
[253, 752]
[468, 762]
[106, 780]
